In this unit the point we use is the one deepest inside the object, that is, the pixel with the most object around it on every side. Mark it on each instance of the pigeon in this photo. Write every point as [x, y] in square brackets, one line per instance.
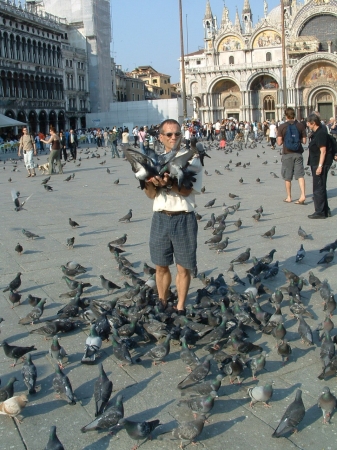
[292, 417]
[14, 297]
[327, 258]
[243, 257]
[201, 404]
[18, 206]
[284, 350]
[257, 363]
[197, 374]
[238, 223]
[300, 254]
[53, 443]
[234, 276]
[119, 241]
[304, 331]
[116, 181]
[260, 394]
[72, 223]
[234, 369]
[302, 234]
[45, 180]
[269, 233]
[327, 402]
[187, 355]
[328, 247]
[160, 351]
[73, 272]
[204, 388]
[127, 217]
[7, 391]
[121, 351]
[70, 242]
[186, 432]
[148, 270]
[57, 352]
[47, 187]
[19, 249]
[108, 419]
[35, 314]
[15, 352]
[210, 203]
[14, 406]
[14, 284]
[62, 386]
[29, 235]
[215, 239]
[330, 304]
[139, 430]
[102, 391]
[220, 246]
[256, 217]
[68, 178]
[29, 374]
[108, 285]
[92, 345]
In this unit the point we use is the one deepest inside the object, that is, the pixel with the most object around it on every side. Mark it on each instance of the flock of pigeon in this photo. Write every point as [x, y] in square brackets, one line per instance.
[220, 321]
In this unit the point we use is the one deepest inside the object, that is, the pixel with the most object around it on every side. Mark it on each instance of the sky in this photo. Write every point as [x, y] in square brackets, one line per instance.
[147, 32]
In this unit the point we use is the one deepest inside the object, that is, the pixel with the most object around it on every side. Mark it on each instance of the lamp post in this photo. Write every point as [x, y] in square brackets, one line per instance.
[284, 69]
[183, 85]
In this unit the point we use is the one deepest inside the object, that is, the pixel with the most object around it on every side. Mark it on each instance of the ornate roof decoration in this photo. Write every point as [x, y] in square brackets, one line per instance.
[246, 8]
[208, 12]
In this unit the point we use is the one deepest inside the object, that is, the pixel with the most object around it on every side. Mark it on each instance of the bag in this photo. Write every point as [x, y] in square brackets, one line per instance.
[222, 143]
[292, 139]
[332, 145]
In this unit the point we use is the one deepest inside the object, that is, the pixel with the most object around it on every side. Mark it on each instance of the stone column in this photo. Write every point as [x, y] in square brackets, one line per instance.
[329, 46]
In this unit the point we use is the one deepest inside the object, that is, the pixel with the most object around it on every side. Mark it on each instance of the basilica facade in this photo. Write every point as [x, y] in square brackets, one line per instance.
[239, 73]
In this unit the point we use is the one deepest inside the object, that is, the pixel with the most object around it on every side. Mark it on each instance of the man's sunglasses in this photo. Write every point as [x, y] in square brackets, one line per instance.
[169, 135]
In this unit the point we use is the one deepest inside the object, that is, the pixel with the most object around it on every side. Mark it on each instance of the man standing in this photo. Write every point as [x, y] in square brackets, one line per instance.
[28, 146]
[73, 144]
[135, 135]
[292, 161]
[174, 226]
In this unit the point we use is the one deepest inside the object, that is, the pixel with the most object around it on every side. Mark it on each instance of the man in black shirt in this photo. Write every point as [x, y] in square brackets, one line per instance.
[320, 159]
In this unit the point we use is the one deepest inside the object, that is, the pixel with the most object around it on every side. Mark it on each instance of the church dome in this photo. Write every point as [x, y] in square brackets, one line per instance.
[275, 15]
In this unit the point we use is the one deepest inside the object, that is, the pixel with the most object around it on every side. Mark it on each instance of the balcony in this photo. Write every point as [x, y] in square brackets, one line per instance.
[72, 109]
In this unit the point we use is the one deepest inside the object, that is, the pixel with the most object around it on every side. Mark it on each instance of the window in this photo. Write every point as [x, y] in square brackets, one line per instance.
[165, 82]
[269, 103]
[155, 81]
[198, 62]
[132, 84]
[70, 63]
[138, 97]
[231, 60]
[133, 97]
[268, 56]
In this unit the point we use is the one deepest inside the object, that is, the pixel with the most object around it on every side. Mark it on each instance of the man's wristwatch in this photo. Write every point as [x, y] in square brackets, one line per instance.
[169, 187]
[320, 165]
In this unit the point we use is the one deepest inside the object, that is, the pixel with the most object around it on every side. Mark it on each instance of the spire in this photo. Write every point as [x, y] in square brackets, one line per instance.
[246, 7]
[237, 24]
[225, 17]
[208, 12]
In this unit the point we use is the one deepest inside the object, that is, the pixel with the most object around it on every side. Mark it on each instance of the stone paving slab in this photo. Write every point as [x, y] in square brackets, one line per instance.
[96, 203]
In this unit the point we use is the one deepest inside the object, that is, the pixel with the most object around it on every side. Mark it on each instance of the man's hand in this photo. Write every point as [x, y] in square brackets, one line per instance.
[160, 181]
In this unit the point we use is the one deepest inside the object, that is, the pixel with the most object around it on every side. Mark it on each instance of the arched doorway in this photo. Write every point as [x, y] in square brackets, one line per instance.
[43, 122]
[61, 121]
[263, 97]
[226, 100]
[32, 121]
[52, 119]
[323, 103]
[73, 123]
[21, 117]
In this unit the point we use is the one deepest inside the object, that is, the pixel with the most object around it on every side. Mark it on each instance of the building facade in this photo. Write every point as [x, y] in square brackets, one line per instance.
[239, 72]
[43, 79]
[154, 81]
[90, 30]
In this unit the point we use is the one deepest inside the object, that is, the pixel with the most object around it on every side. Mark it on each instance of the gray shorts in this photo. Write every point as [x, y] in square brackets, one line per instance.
[174, 236]
[292, 166]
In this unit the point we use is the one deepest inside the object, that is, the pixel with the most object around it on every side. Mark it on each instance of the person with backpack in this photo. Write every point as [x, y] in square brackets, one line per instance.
[292, 134]
[321, 155]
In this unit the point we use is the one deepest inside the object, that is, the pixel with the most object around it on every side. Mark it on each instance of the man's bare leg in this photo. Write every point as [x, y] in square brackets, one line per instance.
[301, 182]
[183, 280]
[288, 190]
[163, 281]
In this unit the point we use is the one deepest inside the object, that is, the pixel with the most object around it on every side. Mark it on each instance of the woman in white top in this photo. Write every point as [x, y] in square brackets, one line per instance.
[272, 133]
[125, 140]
